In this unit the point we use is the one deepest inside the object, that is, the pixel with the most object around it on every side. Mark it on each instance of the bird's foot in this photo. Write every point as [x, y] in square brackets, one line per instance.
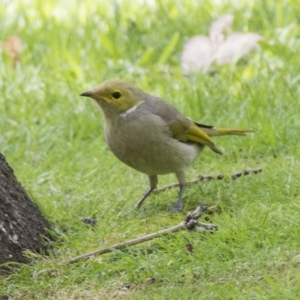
[146, 194]
[177, 207]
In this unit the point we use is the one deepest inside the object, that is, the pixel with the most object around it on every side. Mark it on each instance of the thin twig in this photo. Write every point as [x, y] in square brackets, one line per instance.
[202, 177]
[189, 223]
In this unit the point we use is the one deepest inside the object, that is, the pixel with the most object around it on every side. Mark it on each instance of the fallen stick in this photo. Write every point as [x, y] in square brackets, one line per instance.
[202, 177]
[190, 223]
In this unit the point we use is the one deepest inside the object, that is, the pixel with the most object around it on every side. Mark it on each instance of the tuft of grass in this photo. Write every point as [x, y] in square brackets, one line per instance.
[53, 139]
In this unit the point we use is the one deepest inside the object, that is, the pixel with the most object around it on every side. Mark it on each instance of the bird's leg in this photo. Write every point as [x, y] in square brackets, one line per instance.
[182, 182]
[179, 205]
[153, 183]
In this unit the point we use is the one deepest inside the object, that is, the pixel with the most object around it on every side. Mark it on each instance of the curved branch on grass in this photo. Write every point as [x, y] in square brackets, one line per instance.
[202, 177]
[190, 223]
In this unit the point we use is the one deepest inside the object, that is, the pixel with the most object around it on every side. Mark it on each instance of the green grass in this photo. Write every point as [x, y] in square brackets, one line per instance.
[54, 141]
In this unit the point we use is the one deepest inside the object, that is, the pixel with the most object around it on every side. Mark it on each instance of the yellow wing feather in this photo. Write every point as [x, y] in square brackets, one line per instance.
[195, 134]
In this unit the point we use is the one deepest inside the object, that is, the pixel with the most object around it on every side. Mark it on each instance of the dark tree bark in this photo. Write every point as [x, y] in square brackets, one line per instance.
[22, 225]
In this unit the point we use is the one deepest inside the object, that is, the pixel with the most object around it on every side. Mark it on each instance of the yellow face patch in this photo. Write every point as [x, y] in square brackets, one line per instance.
[119, 94]
[123, 103]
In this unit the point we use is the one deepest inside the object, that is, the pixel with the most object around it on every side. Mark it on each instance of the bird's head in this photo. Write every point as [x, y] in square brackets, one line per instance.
[116, 95]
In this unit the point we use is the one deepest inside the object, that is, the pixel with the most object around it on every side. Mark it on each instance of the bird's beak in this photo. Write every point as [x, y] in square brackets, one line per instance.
[87, 94]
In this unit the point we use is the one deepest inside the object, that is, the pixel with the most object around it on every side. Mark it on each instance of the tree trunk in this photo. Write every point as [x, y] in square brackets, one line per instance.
[21, 223]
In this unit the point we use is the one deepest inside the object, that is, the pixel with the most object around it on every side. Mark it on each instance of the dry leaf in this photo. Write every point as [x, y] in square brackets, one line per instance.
[89, 221]
[200, 52]
[189, 247]
[12, 46]
[196, 54]
[220, 26]
[236, 46]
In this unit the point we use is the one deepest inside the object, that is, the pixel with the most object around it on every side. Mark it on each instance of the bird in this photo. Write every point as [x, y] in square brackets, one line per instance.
[150, 135]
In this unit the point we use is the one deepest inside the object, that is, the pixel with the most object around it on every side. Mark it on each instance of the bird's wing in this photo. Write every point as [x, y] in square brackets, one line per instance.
[181, 128]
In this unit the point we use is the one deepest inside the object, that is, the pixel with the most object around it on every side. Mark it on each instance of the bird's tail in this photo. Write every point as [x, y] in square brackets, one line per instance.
[213, 131]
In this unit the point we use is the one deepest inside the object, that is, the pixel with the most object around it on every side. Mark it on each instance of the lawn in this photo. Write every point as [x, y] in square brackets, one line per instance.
[53, 139]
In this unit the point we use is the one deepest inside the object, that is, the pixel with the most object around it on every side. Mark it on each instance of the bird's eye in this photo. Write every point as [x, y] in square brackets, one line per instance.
[116, 95]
